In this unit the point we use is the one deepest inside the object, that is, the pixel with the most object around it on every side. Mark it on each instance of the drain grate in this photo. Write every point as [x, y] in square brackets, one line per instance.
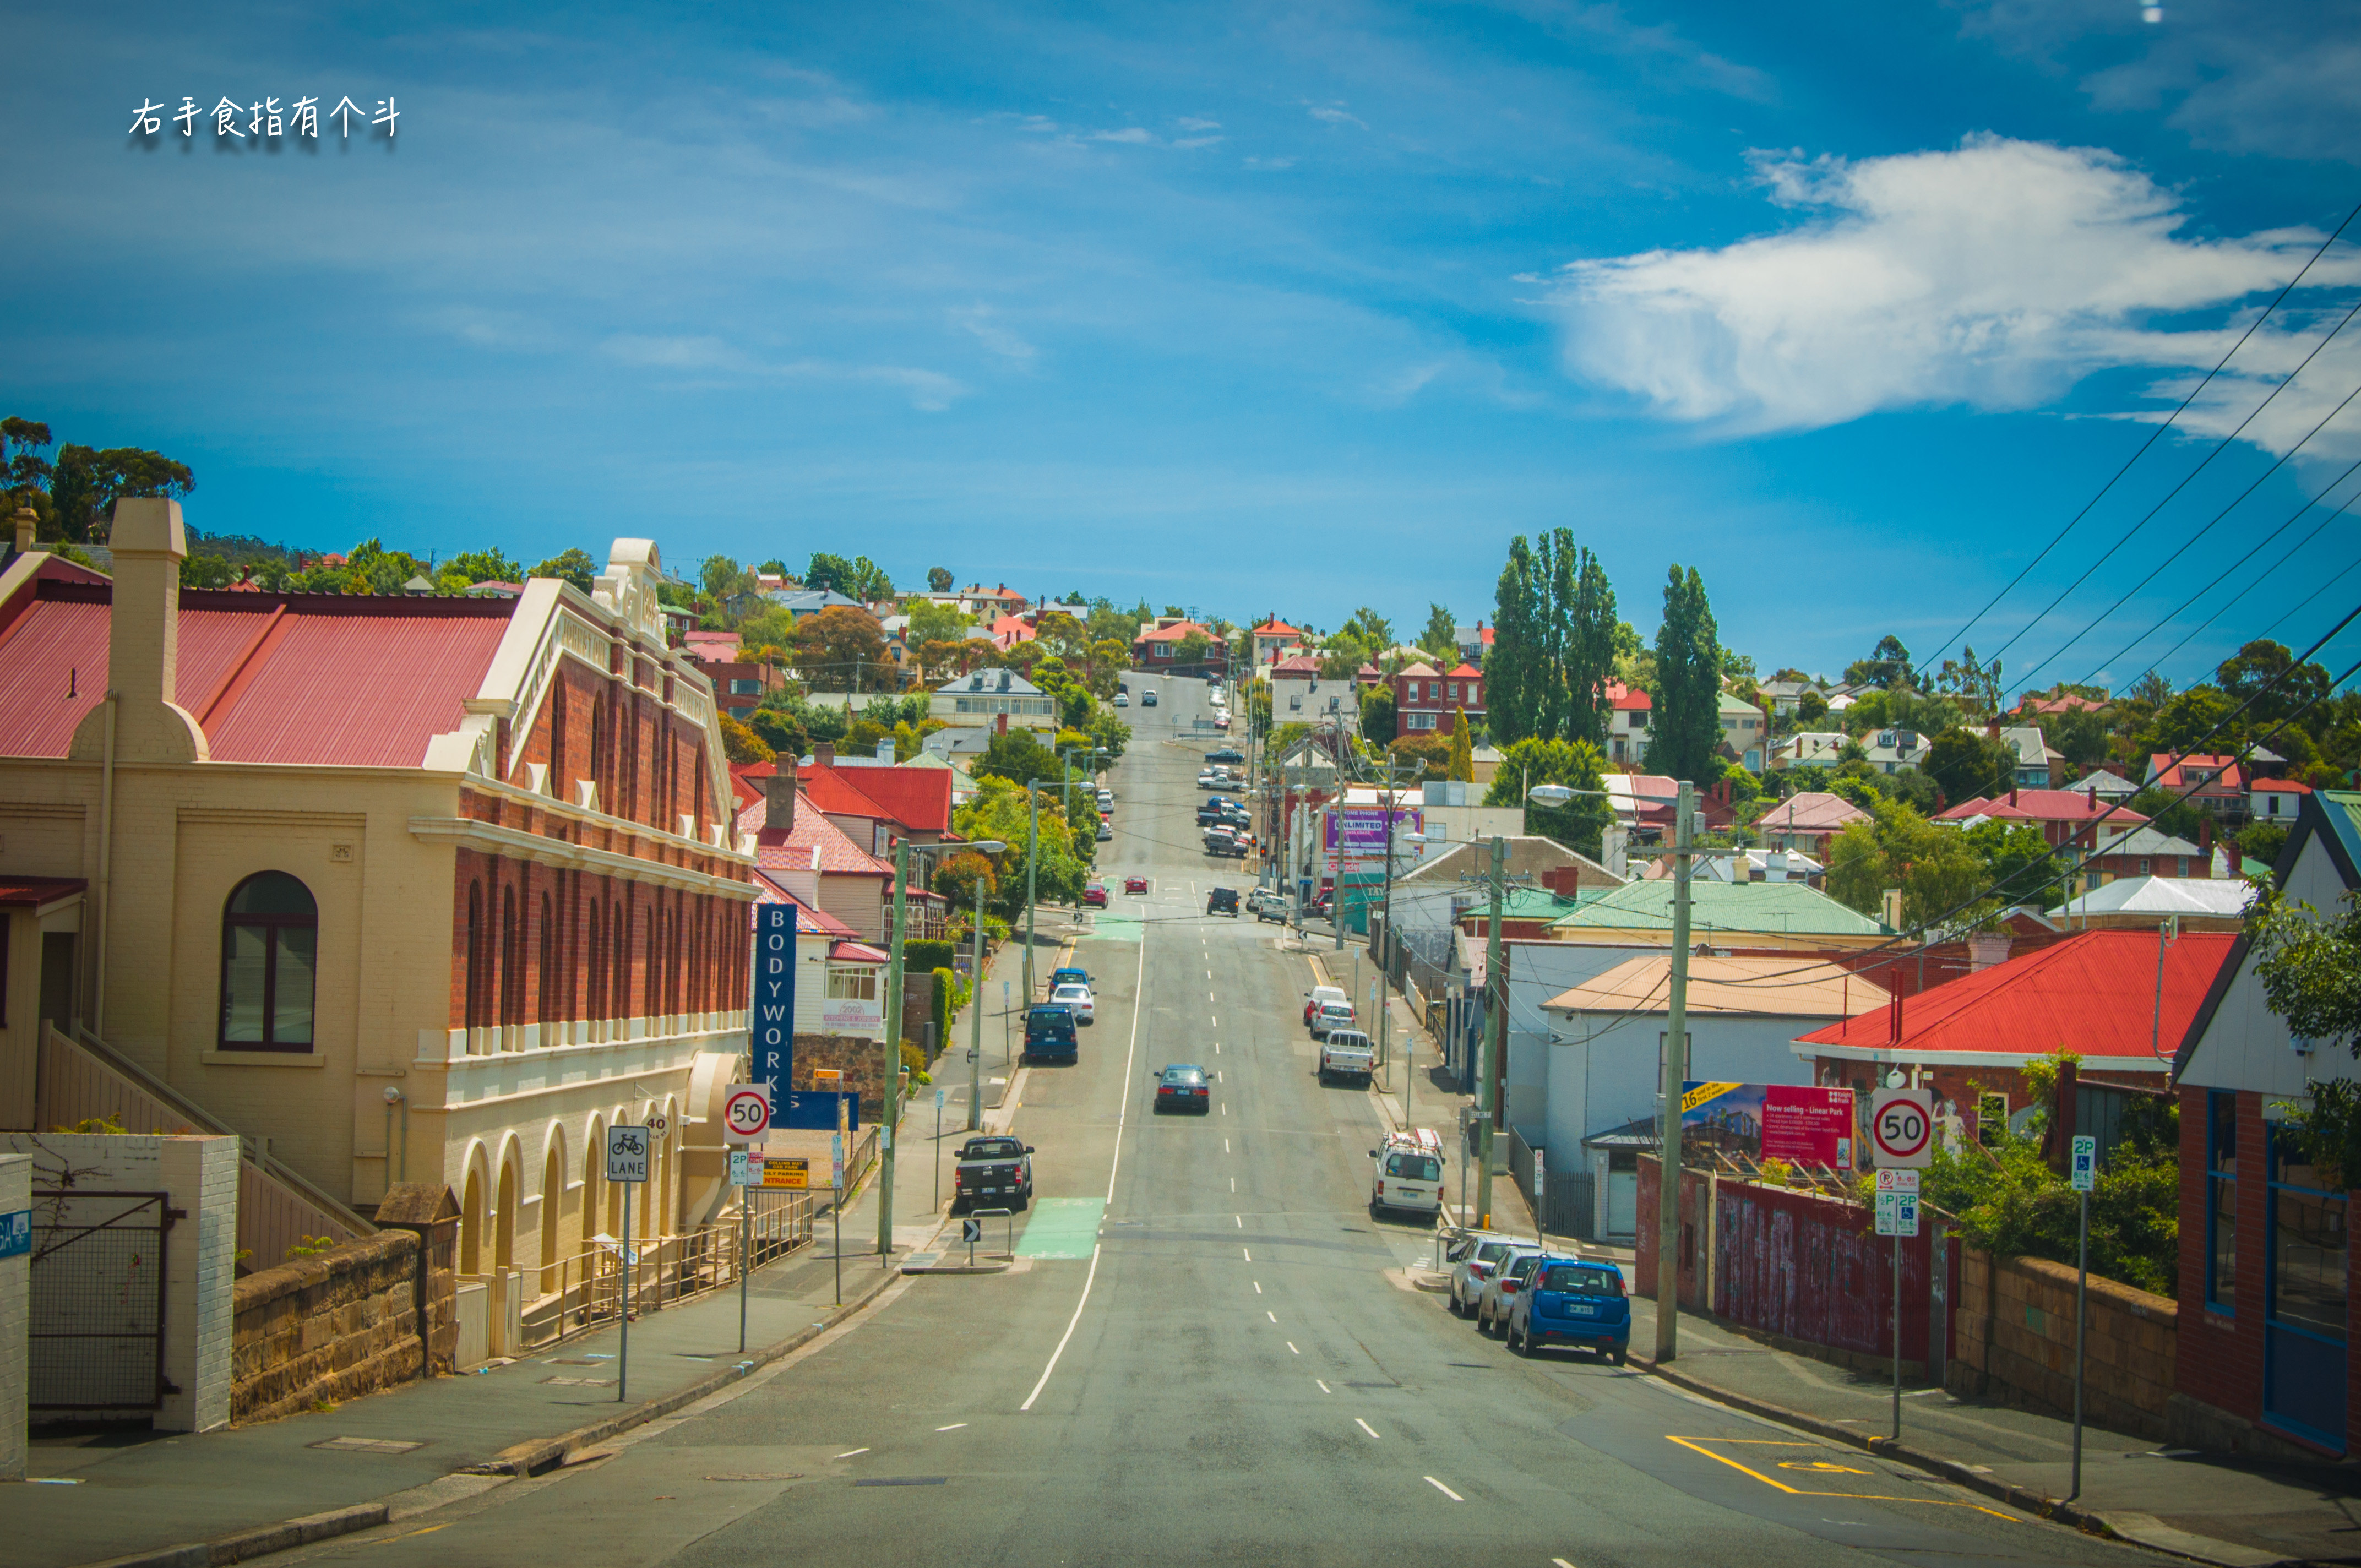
[904, 1481]
[367, 1445]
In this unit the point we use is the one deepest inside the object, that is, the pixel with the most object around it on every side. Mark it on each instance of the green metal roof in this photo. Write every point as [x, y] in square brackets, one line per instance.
[1786, 907]
[1532, 903]
[1736, 705]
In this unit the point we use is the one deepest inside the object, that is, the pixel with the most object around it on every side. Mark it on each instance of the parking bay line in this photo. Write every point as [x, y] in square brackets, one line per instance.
[1693, 1445]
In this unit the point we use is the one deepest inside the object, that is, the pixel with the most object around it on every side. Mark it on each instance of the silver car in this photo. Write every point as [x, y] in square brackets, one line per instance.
[1499, 1292]
[1473, 1258]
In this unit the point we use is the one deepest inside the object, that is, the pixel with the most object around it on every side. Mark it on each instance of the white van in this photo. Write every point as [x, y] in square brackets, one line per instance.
[1407, 1173]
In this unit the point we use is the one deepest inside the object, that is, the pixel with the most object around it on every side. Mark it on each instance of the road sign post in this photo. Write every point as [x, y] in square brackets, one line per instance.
[1541, 1201]
[745, 1173]
[1897, 1217]
[835, 1210]
[971, 1231]
[2084, 1176]
[627, 1162]
[939, 1149]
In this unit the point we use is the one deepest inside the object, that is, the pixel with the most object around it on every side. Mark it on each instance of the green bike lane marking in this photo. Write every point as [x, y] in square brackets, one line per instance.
[1062, 1227]
[1114, 928]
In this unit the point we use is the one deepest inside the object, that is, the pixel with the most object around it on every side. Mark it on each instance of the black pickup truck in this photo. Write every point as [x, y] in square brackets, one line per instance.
[994, 1173]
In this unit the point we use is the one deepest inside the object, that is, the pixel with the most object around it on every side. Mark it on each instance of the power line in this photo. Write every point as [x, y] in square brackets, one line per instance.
[2259, 577]
[2155, 435]
[2183, 483]
[2189, 544]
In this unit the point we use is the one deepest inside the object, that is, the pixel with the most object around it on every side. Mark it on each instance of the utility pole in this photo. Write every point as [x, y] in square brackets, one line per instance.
[1496, 1034]
[975, 1016]
[890, 1096]
[1677, 1072]
[1032, 858]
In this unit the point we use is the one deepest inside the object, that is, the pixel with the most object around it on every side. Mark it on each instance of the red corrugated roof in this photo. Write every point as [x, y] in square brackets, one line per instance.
[918, 798]
[827, 790]
[813, 844]
[2094, 994]
[32, 892]
[2288, 786]
[310, 678]
[2046, 806]
[2168, 772]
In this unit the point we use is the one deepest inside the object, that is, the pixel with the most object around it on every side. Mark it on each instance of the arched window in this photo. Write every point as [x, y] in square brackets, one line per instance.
[270, 944]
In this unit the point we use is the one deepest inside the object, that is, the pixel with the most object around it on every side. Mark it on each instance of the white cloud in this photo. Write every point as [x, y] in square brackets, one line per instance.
[1993, 276]
[1190, 123]
[1270, 163]
[1334, 116]
[709, 360]
[979, 321]
[1128, 134]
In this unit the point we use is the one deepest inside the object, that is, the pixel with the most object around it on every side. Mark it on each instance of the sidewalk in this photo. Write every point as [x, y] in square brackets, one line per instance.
[2196, 1506]
[155, 1498]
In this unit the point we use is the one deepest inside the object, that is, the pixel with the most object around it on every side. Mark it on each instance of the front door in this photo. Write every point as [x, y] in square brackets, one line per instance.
[2304, 1292]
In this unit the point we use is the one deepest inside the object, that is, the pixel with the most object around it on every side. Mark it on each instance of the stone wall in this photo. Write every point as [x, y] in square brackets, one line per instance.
[862, 1061]
[334, 1326]
[2014, 1342]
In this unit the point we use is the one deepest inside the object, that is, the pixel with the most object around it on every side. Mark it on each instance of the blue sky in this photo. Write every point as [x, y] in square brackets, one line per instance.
[1252, 308]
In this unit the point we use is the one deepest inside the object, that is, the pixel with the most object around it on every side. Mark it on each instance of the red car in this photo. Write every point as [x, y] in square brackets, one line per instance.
[1134, 884]
[1095, 896]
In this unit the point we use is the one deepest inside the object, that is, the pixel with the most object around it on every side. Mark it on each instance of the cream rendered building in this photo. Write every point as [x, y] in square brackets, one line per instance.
[415, 889]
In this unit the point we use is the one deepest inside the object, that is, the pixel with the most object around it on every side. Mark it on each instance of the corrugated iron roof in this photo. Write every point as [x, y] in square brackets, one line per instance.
[317, 678]
[1763, 987]
[2094, 994]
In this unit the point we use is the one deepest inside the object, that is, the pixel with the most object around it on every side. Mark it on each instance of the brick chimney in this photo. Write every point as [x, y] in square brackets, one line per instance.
[779, 798]
[824, 753]
[2205, 839]
[143, 641]
[26, 524]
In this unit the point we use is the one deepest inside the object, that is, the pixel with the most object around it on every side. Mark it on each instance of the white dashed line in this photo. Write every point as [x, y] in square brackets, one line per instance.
[1444, 1490]
[1234, 1184]
[1323, 1387]
[1257, 1285]
[1249, 1254]
[1292, 1351]
[953, 1427]
[850, 1452]
[1271, 1315]
[1561, 1563]
[1365, 1426]
[1226, 1145]
[1241, 1221]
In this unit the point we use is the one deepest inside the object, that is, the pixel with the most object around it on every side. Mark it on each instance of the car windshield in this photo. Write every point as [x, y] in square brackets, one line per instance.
[1414, 1166]
[1522, 1269]
[1348, 1040]
[1337, 1010]
[1184, 1075]
[1492, 1252]
[992, 1148]
[1581, 1279]
[1052, 1018]
[1070, 993]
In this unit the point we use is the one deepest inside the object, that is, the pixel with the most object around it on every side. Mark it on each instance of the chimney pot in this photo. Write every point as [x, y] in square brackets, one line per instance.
[824, 755]
[143, 639]
[26, 525]
[779, 797]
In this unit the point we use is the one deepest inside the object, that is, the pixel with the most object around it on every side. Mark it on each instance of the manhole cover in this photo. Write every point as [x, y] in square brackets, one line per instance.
[904, 1481]
[369, 1446]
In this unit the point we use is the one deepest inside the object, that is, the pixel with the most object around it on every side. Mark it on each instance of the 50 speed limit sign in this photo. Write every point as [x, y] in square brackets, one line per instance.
[746, 1112]
[1902, 1129]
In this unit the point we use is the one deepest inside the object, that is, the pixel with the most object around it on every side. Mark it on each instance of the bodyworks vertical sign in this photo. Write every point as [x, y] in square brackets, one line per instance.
[773, 1011]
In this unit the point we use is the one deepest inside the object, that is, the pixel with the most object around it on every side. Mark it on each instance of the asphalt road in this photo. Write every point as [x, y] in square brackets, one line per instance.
[1207, 1351]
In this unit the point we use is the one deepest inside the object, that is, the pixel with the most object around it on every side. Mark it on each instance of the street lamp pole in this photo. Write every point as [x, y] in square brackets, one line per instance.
[975, 997]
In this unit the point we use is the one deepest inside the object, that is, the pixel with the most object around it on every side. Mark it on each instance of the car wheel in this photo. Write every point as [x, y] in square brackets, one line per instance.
[1616, 1356]
[1520, 1343]
[1451, 1301]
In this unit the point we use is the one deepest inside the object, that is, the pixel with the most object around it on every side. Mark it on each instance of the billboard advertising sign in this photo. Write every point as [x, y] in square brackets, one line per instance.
[774, 1002]
[1364, 831]
[1771, 1121]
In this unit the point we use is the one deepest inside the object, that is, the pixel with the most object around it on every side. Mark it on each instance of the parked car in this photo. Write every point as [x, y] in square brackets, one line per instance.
[1049, 1032]
[1121, 700]
[1408, 1166]
[1106, 832]
[1332, 1016]
[1220, 721]
[1347, 1053]
[1106, 799]
[993, 1173]
[1318, 994]
[1274, 909]
[1183, 1088]
[1499, 1292]
[1070, 976]
[1226, 754]
[1222, 900]
[1147, 699]
[1575, 1301]
[1095, 893]
[1134, 884]
[1077, 997]
[1256, 897]
[1472, 1259]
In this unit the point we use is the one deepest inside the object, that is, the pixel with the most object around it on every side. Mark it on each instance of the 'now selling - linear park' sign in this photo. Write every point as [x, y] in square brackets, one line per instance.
[1801, 1124]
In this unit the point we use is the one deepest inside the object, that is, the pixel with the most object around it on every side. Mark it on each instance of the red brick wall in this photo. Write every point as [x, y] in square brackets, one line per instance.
[2221, 1357]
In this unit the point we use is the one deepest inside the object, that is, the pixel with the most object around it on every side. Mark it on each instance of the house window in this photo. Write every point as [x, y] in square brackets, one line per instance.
[745, 688]
[1992, 1116]
[270, 941]
[856, 984]
[2221, 1201]
[2182, 862]
[2143, 871]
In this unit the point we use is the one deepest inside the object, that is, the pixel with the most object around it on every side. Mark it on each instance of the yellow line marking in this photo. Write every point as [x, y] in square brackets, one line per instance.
[405, 1535]
[1691, 1444]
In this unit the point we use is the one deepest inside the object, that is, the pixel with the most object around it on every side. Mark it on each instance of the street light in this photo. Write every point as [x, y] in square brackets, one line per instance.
[975, 998]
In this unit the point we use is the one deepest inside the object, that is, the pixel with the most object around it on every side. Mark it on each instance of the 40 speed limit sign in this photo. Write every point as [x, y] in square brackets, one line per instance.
[1902, 1129]
[745, 1113]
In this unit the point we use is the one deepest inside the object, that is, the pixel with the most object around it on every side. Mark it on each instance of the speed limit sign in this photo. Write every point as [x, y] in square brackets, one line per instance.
[1902, 1129]
[745, 1113]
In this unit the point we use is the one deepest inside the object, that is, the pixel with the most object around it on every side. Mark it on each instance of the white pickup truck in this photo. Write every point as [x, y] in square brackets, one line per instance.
[1346, 1053]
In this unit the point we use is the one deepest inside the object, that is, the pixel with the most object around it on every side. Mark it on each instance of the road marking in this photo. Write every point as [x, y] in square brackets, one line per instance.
[1323, 1387]
[1218, 1048]
[1241, 1219]
[1271, 1315]
[1292, 1351]
[1692, 1444]
[1257, 1285]
[1234, 1184]
[1249, 1254]
[1209, 995]
[1365, 1426]
[1444, 1490]
[1226, 1145]
[1560, 1562]
[953, 1427]
[850, 1452]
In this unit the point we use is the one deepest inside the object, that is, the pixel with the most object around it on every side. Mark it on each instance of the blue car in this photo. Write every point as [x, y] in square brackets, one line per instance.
[1572, 1302]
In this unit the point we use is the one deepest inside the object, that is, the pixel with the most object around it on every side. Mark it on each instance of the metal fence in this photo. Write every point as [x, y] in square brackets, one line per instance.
[1569, 1202]
[96, 1325]
[587, 1289]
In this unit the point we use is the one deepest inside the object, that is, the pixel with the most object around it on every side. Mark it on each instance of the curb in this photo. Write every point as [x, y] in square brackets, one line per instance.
[514, 1462]
[2022, 1498]
[535, 1455]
